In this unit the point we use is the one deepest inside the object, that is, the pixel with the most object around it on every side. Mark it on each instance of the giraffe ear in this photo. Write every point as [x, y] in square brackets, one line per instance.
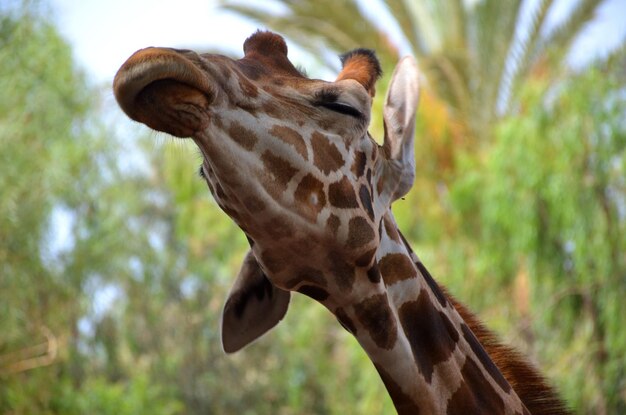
[254, 305]
[399, 121]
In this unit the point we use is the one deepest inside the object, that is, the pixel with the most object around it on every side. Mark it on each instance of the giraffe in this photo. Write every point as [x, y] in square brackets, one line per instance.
[289, 159]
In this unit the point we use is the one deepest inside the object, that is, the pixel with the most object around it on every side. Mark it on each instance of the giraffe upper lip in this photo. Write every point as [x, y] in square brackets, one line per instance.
[152, 64]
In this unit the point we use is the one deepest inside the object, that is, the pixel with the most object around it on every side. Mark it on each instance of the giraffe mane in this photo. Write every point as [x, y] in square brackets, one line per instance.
[533, 389]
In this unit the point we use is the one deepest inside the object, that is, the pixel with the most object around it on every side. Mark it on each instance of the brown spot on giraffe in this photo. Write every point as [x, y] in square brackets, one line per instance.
[403, 403]
[360, 232]
[474, 396]
[277, 228]
[316, 293]
[377, 318]
[308, 275]
[366, 259]
[273, 262]
[292, 137]
[373, 274]
[341, 194]
[341, 270]
[219, 192]
[366, 201]
[273, 110]
[345, 321]
[303, 246]
[332, 224]
[211, 187]
[483, 357]
[326, 156]
[216, 121]
[374, 153]
[225, 71]
[247, 87]
[254, 204]
[358, 165]
[278, 173]
[432, 283]
[229, 210]
[226, 169]
[390, 228]
[380, 186]
[243, 136]
[310, 197]
[396, 267]
[432, 336]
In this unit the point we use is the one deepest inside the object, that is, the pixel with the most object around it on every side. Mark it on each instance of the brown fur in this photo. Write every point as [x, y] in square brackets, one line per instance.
[430, 333]
[362, 66]
[538, 396]
[465, 401]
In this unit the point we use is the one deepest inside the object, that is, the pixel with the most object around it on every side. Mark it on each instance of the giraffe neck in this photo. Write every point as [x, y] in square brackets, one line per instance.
[425, 352]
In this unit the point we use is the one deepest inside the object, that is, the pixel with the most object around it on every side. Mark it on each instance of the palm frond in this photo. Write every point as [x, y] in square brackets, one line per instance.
[526, 51]
[458, 17]
[494, 23]
[309, 23]
[408, 24]
[562, 37]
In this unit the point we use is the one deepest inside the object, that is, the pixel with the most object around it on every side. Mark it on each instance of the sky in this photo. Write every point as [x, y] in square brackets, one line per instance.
[104, 33]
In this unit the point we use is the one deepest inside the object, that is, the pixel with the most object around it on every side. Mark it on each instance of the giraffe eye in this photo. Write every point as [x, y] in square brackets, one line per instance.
[341, 108]
[201, 172]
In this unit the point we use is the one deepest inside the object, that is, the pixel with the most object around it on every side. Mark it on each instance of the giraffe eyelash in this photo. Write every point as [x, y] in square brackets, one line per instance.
[201, 172]
[341, 108]
[328, 99]
[326, 95]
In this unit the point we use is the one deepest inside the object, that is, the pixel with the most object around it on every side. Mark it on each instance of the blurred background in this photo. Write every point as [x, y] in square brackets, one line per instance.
[115, 261]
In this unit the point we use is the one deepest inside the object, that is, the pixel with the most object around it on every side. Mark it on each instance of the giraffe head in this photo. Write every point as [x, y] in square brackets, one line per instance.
[289, 159]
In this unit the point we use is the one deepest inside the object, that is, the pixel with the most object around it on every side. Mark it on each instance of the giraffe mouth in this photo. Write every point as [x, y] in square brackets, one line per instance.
[166, 90]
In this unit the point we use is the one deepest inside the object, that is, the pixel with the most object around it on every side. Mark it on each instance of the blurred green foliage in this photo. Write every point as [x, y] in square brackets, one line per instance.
[121, 315]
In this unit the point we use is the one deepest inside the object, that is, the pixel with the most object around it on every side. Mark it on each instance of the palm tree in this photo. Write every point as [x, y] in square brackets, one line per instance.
[475, 54]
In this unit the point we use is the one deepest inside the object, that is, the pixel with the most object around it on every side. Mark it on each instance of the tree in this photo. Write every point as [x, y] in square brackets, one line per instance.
[57, 168]
[39, 156]
[544, 207]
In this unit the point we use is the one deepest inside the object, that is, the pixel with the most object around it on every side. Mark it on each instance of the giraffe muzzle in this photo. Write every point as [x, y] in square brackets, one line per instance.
[166, 90]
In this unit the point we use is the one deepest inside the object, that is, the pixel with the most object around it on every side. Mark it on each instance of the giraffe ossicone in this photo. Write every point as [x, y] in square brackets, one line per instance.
[290, 160]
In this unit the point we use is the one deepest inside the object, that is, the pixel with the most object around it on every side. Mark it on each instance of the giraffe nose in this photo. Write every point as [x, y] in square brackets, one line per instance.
[164, 89]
